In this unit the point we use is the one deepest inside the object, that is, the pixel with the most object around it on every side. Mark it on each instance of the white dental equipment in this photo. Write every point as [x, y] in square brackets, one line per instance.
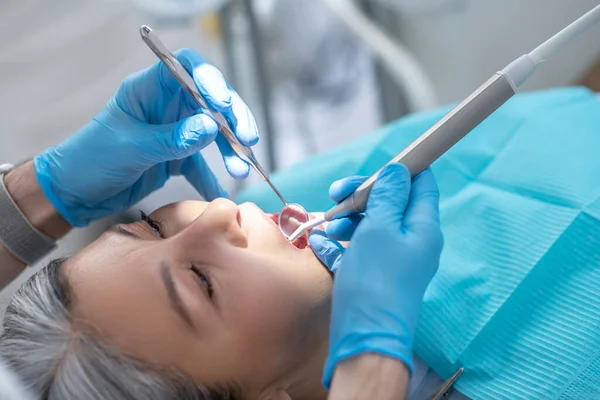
[462, 119]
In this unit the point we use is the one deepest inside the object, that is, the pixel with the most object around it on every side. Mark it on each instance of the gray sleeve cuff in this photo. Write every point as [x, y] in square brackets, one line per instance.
[21, 238]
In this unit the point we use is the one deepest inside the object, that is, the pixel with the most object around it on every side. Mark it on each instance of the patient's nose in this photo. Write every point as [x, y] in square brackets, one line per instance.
[220, 220]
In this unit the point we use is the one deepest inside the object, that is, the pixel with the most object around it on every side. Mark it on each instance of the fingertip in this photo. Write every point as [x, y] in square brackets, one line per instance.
[247, 134]
[208, 79]
[342, 188]
[336, 188]
[343, 229]
[211, 83]
[248, 137]
[237, 167]
[245, 124]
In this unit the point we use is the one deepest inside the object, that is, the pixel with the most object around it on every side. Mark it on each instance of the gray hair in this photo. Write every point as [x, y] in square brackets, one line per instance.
[57, 360]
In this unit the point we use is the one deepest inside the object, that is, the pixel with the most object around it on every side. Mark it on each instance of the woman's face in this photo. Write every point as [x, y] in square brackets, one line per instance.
[213, 289]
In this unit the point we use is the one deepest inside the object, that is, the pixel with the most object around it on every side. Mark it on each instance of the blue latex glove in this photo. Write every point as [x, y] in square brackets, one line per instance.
[149, 131]
[382, 276]
[343, 228]
[330, 251]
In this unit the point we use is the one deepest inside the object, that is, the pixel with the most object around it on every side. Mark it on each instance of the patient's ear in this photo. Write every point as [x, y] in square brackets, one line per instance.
[279, 394]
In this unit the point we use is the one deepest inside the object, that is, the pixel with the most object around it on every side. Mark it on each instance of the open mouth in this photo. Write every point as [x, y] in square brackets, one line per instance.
[300, 243]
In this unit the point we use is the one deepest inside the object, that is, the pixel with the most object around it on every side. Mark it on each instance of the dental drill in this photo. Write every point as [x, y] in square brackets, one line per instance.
[461, 120]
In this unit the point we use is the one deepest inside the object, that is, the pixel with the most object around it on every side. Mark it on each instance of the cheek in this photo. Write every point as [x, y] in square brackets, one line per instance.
[266, 312]
[267, 302]
[274, 306]
[275, 309]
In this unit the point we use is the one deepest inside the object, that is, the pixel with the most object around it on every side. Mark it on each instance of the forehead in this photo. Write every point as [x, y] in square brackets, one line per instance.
[104, 258]
[117, 290]
[107, 270]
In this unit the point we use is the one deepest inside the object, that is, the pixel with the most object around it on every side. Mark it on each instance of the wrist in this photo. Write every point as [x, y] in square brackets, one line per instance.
[370, 376]
[392, 341]
[27, 194]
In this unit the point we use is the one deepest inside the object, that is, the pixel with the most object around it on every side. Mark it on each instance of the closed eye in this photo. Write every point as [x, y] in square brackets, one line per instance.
[203, 280]
[152, 223]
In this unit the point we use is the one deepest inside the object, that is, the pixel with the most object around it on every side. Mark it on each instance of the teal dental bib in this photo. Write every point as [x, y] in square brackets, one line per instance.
[516, 301]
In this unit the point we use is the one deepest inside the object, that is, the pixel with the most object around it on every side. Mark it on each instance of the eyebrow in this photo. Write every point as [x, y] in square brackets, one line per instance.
[174, 298]
[119, 230]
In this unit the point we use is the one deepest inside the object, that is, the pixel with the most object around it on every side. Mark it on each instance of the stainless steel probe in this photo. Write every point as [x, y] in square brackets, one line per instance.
[187, 82]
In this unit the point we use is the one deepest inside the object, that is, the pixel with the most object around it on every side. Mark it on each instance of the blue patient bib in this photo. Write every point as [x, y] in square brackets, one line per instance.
[516, 301]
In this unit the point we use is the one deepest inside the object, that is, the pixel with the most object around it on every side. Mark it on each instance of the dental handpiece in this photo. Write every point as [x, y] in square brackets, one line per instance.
[186, 81]
[421, 153]
[461, 120]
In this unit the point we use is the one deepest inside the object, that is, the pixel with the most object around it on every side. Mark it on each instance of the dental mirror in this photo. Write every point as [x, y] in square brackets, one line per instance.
[291, 217]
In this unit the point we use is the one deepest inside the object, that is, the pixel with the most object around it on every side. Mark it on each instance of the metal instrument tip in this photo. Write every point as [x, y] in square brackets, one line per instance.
[445, 388]
[145, 29]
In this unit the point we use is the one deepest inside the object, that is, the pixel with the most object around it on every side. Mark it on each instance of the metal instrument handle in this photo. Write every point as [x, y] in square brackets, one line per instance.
[187, 82]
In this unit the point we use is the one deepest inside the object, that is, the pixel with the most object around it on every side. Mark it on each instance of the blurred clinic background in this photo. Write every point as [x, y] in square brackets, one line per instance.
[316, 73]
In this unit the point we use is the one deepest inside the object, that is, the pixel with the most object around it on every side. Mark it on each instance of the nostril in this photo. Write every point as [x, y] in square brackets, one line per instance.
[239, 218]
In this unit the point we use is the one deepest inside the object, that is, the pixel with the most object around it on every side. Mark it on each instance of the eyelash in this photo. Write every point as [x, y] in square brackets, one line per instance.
[152, 223]
[205, 279]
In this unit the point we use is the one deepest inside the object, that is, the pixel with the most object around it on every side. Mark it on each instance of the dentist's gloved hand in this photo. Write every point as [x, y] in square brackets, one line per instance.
[149, 131]
[343, 228]
[382, 276]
